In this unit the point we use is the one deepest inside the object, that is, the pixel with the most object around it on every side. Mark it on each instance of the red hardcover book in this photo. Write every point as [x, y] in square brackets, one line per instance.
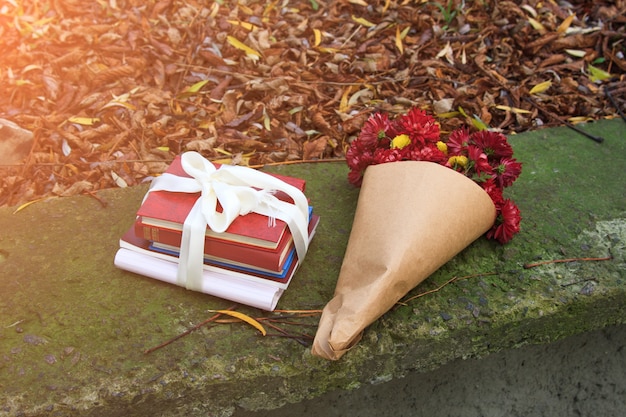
[168, 210]
[133, 242]
[223, 250]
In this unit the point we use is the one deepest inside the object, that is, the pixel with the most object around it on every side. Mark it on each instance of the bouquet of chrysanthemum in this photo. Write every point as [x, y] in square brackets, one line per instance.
[413, 215]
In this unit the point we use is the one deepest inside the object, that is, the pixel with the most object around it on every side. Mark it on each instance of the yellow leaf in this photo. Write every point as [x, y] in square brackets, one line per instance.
[270, 7]
[72, 168]
[399, 40]
[23, 82]
[362, 21]
[512, 109]
[121, 101]
[44, 21]
[242, 317]
[117, 103]
[23, 206]
[245, 25]
[245, 8]
[214, 9]
[223, 151]
[359, 2]
[386, 6]
[541, 87]
[223, 161]
[448, 115]
[536, 25]
[343, 104]
[251, 53]
[566, 23]
[175, 107]
[580, 119]
[318, 37]
[85, 121]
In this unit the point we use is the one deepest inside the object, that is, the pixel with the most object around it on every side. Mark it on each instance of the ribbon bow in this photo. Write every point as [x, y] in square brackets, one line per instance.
[239, 190]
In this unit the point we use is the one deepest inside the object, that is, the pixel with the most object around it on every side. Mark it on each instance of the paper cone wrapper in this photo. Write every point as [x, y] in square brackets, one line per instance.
[411, 218]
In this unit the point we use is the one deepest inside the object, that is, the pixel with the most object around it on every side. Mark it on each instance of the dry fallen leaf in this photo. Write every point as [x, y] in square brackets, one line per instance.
[243, 317]
[314, 149]
[540, 88]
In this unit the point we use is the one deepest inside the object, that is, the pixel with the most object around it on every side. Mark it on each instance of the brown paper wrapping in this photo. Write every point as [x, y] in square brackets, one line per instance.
[411, 218]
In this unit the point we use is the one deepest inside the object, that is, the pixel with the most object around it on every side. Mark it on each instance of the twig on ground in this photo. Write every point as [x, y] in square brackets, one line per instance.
[185, 333]
[95, 195]
[555, 261]
[450, 281]
[283, 333]
[597, 139]
[614, 103]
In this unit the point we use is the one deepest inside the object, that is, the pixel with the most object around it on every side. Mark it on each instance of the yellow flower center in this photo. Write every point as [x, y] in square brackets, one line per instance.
[442, 147]
[460, 160]
[400, 141]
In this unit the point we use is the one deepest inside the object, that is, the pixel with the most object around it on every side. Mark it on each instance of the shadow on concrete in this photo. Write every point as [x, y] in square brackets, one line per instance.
[583, 375]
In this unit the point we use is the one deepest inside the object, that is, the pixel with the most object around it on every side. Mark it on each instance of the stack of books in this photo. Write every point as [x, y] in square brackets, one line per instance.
[252, 262]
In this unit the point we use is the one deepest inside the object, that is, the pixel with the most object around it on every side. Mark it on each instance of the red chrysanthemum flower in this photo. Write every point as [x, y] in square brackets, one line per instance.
[493, 144]
[507, 222]
[357, 162]
[493, 190]
[355, 178]
[377, 128]
[430, 153]
[479, 160]
[458, 141]
[382, 156]
[507, 171]
[420, 126]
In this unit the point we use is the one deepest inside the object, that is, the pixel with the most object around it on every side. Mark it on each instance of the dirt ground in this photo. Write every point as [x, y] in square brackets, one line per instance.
[584, 375]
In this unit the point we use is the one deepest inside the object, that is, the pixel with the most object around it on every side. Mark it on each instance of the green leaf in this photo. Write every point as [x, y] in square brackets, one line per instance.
[192, 90]
[597, 74]
[479, 124]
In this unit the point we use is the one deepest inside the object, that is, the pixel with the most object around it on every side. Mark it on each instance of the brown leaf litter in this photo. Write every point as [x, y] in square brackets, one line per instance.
[113, 89]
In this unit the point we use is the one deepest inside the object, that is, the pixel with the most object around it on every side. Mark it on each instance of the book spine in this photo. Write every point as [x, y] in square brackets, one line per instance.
[265, 259]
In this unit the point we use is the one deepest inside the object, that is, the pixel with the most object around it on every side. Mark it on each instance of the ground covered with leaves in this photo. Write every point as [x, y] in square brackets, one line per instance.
[114, 89]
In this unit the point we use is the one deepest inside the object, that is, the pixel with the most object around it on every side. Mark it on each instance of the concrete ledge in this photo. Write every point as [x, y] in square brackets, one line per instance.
[580, 375]
[74, 328]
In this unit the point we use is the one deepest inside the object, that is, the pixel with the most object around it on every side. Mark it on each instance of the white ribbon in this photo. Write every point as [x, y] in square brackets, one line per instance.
[232, 186]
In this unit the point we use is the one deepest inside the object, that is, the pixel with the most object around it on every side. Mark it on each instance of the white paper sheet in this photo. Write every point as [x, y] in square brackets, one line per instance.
[229, 287]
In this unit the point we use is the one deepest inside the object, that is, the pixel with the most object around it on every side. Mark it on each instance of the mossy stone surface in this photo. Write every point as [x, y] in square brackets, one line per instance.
[74, 328]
